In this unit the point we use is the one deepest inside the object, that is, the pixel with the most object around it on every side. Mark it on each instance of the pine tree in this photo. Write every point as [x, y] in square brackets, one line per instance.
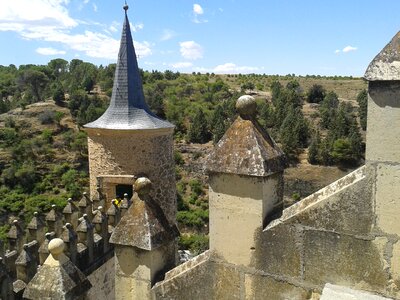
[198, 131]
[362, 100]
[313, 150]
[218, 125]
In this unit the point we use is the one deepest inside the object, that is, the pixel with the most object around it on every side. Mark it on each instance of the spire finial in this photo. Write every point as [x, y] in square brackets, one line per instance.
[126, 7]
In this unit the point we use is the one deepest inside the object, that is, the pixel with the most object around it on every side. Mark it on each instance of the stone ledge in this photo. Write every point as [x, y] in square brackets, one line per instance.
[335, 292]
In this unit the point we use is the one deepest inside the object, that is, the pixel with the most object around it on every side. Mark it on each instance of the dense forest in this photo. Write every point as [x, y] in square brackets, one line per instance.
[43, 156]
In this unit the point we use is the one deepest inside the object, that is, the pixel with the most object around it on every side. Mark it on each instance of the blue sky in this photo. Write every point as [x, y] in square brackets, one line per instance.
[222, 36]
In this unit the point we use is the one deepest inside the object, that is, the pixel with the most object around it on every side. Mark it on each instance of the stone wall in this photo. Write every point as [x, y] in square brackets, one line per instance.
[146, 153]
[328, 237]
[103, 282]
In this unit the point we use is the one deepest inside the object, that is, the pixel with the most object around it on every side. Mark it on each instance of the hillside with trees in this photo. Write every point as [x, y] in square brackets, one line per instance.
[318, 121]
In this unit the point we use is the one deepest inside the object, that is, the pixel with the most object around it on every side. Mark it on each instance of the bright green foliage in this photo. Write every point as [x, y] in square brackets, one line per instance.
[196, 243]
[196, 187]
[194, 218]
[341, 151]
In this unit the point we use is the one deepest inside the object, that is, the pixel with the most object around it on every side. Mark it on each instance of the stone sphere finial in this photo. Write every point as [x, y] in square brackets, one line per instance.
[246, 106]
[68, 225]
[36, 214]
[126, 7]
[56, 247]
[142, 185]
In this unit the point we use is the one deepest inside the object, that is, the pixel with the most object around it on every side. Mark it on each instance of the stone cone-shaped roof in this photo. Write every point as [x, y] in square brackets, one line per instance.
[143, 226]
[246, 149]
[386, 65]
[128, 109]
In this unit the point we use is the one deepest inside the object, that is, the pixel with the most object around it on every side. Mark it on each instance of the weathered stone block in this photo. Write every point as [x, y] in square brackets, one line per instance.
[387, 198]
[395, 263]
[196, 283]
[278, 251]
[103, 282]
[235, 216]
[337, 212]
[383, 132]
[343, 260]
[264, 287]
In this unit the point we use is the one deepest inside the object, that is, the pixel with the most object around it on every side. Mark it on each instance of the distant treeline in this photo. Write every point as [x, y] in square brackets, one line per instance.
[200, 105]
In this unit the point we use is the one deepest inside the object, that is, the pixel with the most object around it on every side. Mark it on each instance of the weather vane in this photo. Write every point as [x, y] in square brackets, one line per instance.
[126, 6]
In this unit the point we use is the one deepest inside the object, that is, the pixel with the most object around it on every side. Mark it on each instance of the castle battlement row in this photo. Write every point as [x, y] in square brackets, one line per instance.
[342, 242]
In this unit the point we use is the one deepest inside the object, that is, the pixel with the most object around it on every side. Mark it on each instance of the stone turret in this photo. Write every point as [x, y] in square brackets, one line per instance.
[383, 144]
[144, 244]
[58, 278]
[129, 139]
[246, 186]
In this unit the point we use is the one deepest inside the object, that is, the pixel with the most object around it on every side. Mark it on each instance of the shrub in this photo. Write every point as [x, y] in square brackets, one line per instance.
[316, 94]
[196, 187]
[194, 218]
[178, 158]
[196, 243]
[47, 117]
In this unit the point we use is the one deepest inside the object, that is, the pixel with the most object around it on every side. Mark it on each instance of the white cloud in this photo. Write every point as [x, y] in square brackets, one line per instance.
[50, 51]
[86, 1]
[231, 68]
[94, 7]
[191, 50]
[197, 9]
[136, 27]
[167, 34]
[349, 48]
[49, 21]
[182, 65]
[346, 49]
[24, 14]
[113, 26]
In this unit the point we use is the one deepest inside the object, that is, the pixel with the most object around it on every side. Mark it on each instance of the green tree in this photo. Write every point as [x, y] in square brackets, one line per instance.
[328, 109]
[316, 94]
[36, 82]
[58, 94]
[198, 131]
[362, 99]
[218, 124]
[313, 150]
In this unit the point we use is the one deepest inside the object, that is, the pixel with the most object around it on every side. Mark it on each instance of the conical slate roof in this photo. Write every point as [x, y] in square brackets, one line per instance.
[386, 65]
[128, 109]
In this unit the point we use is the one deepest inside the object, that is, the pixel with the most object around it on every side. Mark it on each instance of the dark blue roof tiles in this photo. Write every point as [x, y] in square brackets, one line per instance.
[128, 108]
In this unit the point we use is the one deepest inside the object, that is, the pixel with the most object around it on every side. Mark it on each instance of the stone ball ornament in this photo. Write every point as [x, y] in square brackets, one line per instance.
[246, 106]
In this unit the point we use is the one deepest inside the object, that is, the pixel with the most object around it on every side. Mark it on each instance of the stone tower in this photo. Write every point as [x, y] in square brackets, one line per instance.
[246, 186]
[129, 141]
